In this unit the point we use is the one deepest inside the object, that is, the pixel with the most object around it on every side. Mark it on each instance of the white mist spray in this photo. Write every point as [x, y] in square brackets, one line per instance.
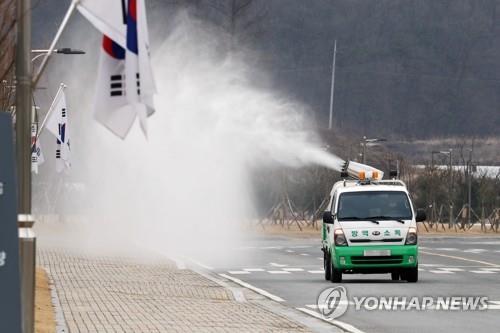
[186, 189]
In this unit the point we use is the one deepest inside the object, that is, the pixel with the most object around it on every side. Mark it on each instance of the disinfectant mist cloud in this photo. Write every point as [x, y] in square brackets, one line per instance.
[186, 189]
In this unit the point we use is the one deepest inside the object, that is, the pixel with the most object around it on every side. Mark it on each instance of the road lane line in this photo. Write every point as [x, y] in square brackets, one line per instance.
[254, 269]
[475, 251]
[238, 272]
[316, 272]
[249, 286]
[345, 326]
[293, 269]
[325, 306]
[460, 258]
[277, 265]
[483, 272]
[452, 269]
[201, 264]
[442, 272]
[278, 272]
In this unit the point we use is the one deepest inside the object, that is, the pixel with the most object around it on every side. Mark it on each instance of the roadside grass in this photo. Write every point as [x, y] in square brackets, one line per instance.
[309, 231]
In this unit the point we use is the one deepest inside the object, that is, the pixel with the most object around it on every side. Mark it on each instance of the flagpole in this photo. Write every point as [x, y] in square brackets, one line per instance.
[62, 86]
[52, 47]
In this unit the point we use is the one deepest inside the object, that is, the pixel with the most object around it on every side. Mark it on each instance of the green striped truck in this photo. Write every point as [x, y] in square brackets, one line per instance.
[370, 227]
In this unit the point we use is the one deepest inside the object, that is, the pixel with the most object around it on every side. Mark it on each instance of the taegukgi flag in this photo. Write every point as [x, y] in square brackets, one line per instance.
[111, 106]
[37, 158]
[57, 124]
[125, 85]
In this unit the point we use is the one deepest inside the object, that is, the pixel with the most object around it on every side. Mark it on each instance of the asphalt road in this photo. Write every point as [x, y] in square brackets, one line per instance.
[291, 270]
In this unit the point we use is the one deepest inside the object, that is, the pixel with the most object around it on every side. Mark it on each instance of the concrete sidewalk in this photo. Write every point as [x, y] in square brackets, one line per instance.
[113, 294]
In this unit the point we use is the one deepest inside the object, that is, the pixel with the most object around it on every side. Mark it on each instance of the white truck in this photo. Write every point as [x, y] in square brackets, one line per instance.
[370, 227]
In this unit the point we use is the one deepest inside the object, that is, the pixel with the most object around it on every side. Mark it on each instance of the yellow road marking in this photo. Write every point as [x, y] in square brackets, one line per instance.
[460, 258]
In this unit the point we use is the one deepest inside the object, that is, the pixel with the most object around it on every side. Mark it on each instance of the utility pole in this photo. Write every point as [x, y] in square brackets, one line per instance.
[469, 190]
[332, 90]
[364, 149]
[371, 142]
[450, 194]
[24, 114]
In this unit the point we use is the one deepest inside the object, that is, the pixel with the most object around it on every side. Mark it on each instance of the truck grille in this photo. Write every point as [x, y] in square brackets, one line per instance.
[376, 260]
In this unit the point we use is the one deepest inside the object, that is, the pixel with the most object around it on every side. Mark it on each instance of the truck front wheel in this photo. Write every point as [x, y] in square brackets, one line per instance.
[327, 265]
[336, 275]
[411, 274]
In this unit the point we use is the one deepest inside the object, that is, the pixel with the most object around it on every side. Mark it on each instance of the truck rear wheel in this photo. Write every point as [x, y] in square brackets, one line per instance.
[395, 276]
[327, 265]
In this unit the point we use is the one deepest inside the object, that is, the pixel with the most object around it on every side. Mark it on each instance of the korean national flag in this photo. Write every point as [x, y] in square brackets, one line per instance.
[37, 158]
[140, 83]
[125, 85]
[57, 124]
[111, 106]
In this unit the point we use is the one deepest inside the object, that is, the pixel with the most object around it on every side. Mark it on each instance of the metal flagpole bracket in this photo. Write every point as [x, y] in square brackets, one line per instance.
[25, 221]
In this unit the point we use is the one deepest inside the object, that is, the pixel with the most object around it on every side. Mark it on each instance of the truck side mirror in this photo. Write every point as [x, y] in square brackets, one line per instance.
[327, 217]
[421, 215]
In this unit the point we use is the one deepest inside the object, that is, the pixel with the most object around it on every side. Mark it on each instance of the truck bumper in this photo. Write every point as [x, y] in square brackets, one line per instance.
[353, 258]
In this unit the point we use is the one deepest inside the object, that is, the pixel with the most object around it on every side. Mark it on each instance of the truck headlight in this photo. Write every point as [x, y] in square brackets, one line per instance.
[339, 238]
[411, 237]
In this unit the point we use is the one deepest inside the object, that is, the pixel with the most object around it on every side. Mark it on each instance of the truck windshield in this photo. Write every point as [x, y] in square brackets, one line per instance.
[371, 205]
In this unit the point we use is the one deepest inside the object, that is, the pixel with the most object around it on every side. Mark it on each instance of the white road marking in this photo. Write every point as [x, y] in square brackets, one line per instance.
[271, 247]
[293, 269]
[442, 272]
[238, 272]
[304, 254]
[317, 272]
[278, 272]
[452, 269]
[460, 258]
[201, 264]
[324, 306]
[319, 258]
[345, 326]
[300, 247]
[253, 269]
[277, 265]
[290, 251]
[483, 272]
[491, 269]
[257, 290]
[494, 305]
[421, 269]
[475, 250]
[429, 265]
